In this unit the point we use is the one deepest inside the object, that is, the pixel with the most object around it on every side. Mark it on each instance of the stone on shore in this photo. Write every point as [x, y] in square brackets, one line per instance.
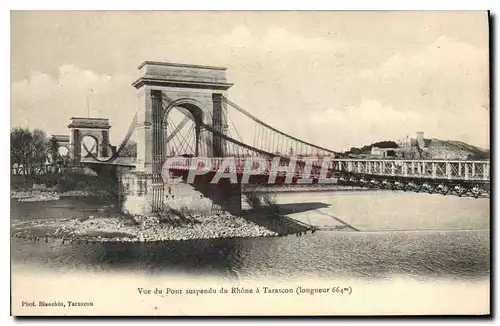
[149, 228]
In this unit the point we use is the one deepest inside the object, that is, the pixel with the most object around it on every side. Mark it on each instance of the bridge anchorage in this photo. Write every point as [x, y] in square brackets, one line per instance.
[205, 131]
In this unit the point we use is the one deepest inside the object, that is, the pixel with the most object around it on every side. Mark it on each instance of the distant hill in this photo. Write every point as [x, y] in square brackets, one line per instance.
[454, 149]
[435, 149]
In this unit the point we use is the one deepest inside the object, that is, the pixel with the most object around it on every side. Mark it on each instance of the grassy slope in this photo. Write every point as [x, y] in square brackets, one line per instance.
[455, 145]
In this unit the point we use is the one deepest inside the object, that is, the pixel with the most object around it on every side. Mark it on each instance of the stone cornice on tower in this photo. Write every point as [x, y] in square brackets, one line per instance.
[182, 65]
[90, 123]
[182, 75]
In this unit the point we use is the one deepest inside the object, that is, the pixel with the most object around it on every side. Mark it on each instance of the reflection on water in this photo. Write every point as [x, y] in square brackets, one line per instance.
[460, 253]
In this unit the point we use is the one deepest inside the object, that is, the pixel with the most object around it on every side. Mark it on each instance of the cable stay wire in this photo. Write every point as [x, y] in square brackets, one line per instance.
[254, 118]
[115, 155]
[168, 101]
[177, 129]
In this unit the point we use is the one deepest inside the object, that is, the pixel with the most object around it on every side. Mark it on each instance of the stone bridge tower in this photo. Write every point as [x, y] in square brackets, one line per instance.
[161, 87]
[197, 91]
[96, 128]
[63, 141]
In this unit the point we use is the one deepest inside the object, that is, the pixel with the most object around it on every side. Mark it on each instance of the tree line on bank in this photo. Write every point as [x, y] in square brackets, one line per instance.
[33, 149]
[30, 150]
[367, 148]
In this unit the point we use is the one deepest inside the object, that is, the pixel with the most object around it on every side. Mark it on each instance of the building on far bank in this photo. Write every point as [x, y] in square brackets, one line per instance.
[413, 148]
[409, 148]
[408, 142]
[383, 152]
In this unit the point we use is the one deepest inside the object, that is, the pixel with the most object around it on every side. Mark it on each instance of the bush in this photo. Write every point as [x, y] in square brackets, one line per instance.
[173, 216]
[49, 180]
[20, 182]
[269, 198]
[264, 203]
[74, 181]
[105, 188]
[253, 199]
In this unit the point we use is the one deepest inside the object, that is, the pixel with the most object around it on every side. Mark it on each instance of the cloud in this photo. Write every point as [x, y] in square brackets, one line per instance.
[321, 89]
[365, 123]
[79, 79]
[446, 82]
[276, 55]
[441, 90]
[276, 39]
[443, 54]
[47, 102]
[439, 77]
[283, 75]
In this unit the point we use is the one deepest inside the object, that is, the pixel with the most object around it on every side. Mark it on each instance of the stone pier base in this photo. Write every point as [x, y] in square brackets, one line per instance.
[135, 198]
[141, 196]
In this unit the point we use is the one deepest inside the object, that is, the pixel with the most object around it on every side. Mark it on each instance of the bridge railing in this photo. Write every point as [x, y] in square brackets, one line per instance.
[431, 169]
[422, 169]
[240, 163]
[33, 170]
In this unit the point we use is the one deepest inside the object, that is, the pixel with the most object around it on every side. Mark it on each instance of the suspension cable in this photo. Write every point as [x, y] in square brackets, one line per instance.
[240, 109]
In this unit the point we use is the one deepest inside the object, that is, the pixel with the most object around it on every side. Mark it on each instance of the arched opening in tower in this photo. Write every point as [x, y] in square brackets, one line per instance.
[180, 136]
[89, 146]
[63, 151]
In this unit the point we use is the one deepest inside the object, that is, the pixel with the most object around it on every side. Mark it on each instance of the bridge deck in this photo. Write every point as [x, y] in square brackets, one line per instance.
[420, 169]
[415, 169]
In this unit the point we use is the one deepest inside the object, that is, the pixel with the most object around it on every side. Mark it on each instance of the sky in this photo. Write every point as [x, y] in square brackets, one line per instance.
[335, 79]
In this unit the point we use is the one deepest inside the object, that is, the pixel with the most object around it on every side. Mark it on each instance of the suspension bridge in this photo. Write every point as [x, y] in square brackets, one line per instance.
[184, 112]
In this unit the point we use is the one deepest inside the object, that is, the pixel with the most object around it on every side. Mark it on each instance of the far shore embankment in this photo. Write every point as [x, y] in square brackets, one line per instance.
[302, 188]
[41, 193]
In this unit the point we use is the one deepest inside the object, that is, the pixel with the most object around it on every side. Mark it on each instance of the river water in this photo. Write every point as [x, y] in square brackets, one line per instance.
[383, 234]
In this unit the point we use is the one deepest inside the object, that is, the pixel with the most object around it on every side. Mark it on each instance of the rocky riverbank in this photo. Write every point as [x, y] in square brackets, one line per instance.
[138, 229]
[35, 195]
[102, 225]
[48, 194]
[301, 188]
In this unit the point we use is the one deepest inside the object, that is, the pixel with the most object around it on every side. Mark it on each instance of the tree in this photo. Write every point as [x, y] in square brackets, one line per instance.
[129, 150]
[28, 149]
[354, 150]
[54, 150]
[385, 144]
[367, 148]
[58, 161]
